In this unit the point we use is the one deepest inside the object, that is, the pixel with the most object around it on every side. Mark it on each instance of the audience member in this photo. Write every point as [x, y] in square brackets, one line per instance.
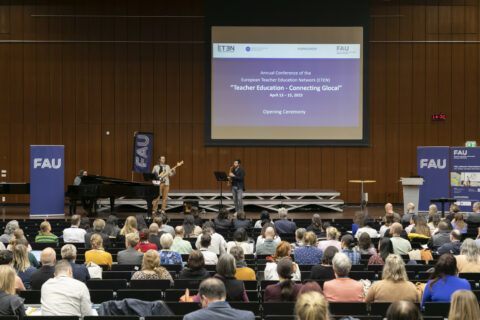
[191, 229]
[433, 221]
[403, 310]
[365, 245]
[240, 238]
[45, 234]
[312, 306]
[324, 271]
[97, 254]
[285, 289]
[264, 218]
[241, 221]
[282, 251]
[6, 258]
[474, 217]
[299, 235]
[283, 225]
[222, 223]
[421, 227]
[394, 284]
[22, 264]
[308, 253]
[210, 257]
[98, 227]
[342, 289]
[357, 222]
[243, 271]
[410, 212]
[196, 216]
[144, 245]
[111, 227]
[317, 226]
[444, 281]
[40, 276]
[347, 248]
[80, 272]
[195, 267]
[154, 235]
[454, 209]
[19, 238]
[130, 256]
[385, 248]
[141, 224]
[85, 224]
[217, 244]
[459, 224]
[179, 245]
[162, 221]
[10, 303]
[432, 209]
[388, 222]
[151, 269]
[65, 296]
[368, 224]
[74, 234]
[469, 258]
[130, 226]
[453, 246]
[168, 256]
[268, 246]
[389, 209]
[332, 240]
[400, 245]
[7, 235]
[226, 271]
[464, 306]
[261, 238]
[212, 295]
[413, 221]
[441, 237]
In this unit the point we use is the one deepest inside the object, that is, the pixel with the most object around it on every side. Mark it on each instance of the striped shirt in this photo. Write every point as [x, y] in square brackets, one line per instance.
[46, 237]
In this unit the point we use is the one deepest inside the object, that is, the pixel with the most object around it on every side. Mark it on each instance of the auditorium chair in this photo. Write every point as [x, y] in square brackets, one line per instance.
[358, 275]
[348, 308]
[143, 294]
[278, 308]
[107, 284]
[186, 284]
[8, 318]
[380, 308]
[437, 309]
[31, 296]
[117, 275]
[150, 284]
[358, 267]
[125, 267]
[475, 276]
[56, 318]
[174, 295]
[250, 284]
[173, 267]
[182, 308]
[163, 318]
[248, 306]
[99, 296]
[111, 317]
[360, 317]
[38, 246]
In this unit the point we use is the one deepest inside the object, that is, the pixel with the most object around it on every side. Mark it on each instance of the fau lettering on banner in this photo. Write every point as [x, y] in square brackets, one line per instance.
[142, 152]
[434, 166]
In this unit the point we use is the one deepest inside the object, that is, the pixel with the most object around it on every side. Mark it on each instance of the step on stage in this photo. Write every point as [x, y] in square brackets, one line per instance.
[266, 199]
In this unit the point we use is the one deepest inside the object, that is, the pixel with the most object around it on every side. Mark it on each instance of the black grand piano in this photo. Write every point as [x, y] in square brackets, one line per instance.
[94, 187]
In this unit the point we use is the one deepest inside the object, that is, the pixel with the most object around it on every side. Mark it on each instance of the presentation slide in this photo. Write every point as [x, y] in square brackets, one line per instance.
[287, 83]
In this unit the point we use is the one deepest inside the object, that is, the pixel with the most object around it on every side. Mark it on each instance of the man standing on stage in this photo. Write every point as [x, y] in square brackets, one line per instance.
[237, 176]
[160, 167]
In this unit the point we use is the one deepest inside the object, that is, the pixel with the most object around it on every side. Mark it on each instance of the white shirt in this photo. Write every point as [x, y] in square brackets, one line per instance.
[247, 247]
[74, 234]
[383, 229]
[166, 167]
[217, 246]
[271, 272]
[209, 257]
[371, 232]
[65, 296]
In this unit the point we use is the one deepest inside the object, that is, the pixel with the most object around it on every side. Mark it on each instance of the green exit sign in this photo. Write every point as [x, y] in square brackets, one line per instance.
[471, 144]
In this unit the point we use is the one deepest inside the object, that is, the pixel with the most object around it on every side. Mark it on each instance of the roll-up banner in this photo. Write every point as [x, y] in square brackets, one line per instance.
[142, 152]
[465, 176]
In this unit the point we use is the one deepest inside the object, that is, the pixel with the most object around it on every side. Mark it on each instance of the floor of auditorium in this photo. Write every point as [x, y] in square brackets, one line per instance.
[374, 210]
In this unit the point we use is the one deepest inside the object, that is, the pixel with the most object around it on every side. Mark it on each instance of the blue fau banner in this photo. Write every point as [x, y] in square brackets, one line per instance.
[47, 181]
[434, 166]
[465, 176]
[142, 152]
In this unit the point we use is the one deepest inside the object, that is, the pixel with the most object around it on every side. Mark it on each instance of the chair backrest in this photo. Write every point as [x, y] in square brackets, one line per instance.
[31, 296]
[380, 308]
[182, 308]
[437, 309]
[470, 276]
[174, 295]
[125, 267]
[248, 306]
[99, 296]
[117, 275]
[186, 283]
[150, 284]
[278, 308]
[111, 317]
[143, 294]
[348, 308]
[107, 284]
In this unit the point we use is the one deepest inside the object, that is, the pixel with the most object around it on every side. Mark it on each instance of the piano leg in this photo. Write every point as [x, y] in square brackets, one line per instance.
[112, 203]
[149, 205]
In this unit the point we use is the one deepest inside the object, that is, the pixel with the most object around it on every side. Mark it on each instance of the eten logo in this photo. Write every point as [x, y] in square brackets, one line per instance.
[433, 163]
[141, 156]
[43, 163]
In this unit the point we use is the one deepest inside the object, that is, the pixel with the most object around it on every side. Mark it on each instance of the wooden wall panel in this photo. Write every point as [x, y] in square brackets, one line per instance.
[148, 74]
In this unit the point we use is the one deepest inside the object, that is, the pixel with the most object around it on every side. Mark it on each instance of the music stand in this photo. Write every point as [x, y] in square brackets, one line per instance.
[149, 177]
[221, 177]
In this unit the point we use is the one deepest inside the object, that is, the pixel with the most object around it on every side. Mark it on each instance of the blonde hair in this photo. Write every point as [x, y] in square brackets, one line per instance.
[166, 240]
[464, 306]
[44, 227]
[130, 226]
[151, 261]
[133, 239]
[17, 234]
[333, 233]
[7, 279]
[312, 306]
[394, 269]
[310, 239]
[20, 257]
[96, 241]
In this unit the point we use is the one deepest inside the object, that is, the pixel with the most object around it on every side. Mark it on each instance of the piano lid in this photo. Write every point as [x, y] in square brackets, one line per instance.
[94, 179]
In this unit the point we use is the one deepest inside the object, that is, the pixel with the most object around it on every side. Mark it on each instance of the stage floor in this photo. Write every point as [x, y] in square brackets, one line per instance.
[374, 210]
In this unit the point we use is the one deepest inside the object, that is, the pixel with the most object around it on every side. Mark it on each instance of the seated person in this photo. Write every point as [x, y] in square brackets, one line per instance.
[454, 245]
[98, 227]
[45, 235]
[261, 237]
[317, 226]
[97, 254]
[324, 271]
[308, 253]
[268, 246]
[342, 289]
[80, 272]
[222, 223]
[464, 305]
[167, 256]
[210, 257]
[299, 235]
[469, 258]
[130, 255]
[347, 248]
[285, 289]
[151, 269]
[144, 245]
[283, 225]
[385, 248]
[22, 264]
[403, 310]
[40, 276]
[365, 245]
[243, 272]
[459, 223]
[10, 303]
[264, 218]
[179, 245]
[6, 258]
[241, 221]
[282, 251]
[368, 227]
[312, 305]
[74, 234]
[332, 240]
[240, 238]
[400, 245]
[11, 226]
[195, 267]
[191, 229]
[217, 244]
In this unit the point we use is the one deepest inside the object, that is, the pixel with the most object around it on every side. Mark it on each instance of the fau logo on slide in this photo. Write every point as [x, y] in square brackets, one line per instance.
[47, 163]
[343, 49]
[433, 163]
[222, 48]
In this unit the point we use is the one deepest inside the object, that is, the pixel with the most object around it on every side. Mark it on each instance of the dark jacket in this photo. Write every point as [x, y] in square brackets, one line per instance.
[220, 310]
[130, 256]
[273, 292]
[473, 217]
[438, 239]
[80, 272]
[11, 305]
[235, 288]
[190, 274]
[105, 238]
[322, 272]
[40, 276]
[285, 226]
[224, 224]
[155, 238]
[239, 179]
[237, 224]
[450, 247]
[134, 307]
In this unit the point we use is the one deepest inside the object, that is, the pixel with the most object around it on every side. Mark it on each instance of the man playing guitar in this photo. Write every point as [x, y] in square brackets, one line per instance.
[160, 167]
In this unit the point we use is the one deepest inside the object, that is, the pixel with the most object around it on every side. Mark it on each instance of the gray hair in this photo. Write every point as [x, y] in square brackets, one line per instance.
[470, 250]
[432, 209]
[166, 240]
[11, 226]
[237, 253]
[300, 233]
[62, 267]
[212, 288]
[341, 264]
[48, 256]
[282, 213]
[69, 252]
[98, 225]
[476, 205]
[226, 265]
